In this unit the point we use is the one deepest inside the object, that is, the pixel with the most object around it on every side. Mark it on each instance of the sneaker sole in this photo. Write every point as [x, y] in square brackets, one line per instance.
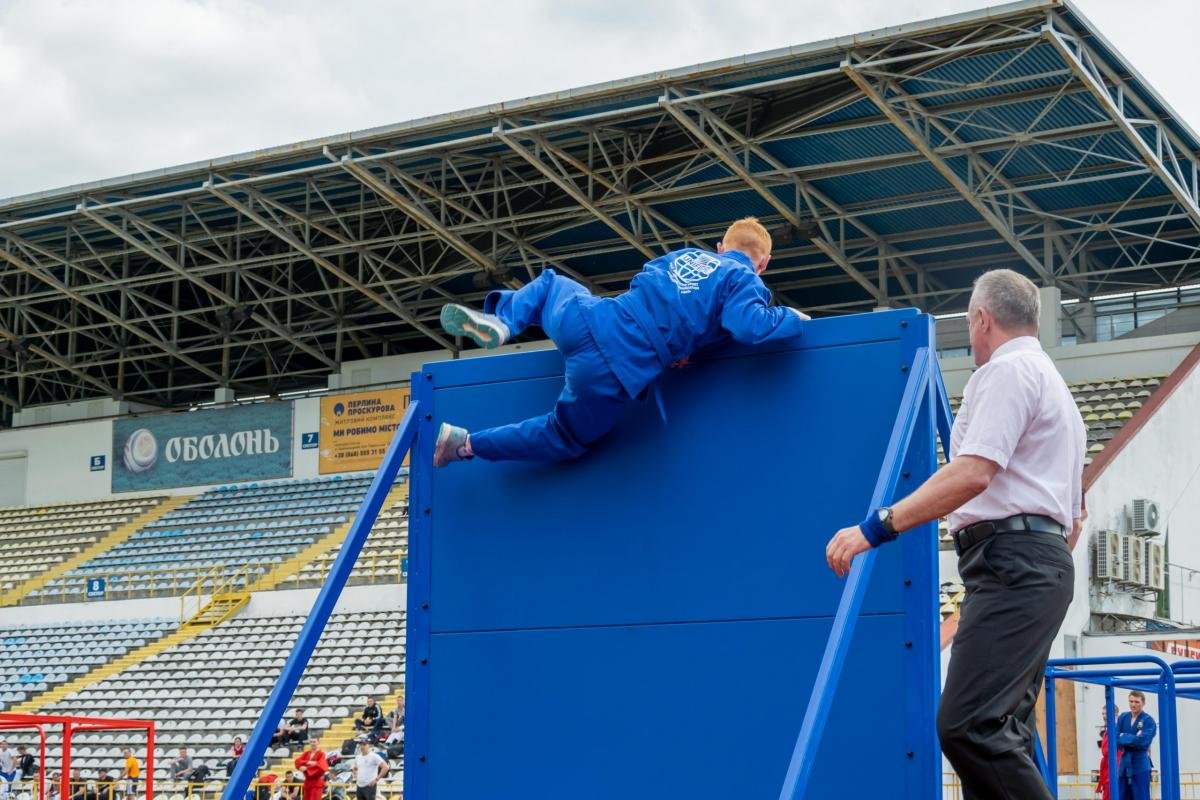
[457, 322]
[439, 447]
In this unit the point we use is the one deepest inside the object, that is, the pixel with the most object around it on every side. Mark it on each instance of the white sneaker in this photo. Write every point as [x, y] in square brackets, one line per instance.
[451, 445]
[486, 330]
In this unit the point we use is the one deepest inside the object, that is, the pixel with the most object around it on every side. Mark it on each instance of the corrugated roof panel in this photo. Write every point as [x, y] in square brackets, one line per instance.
[1106, 192]
[911, 220]
[880, 184]
[718, 209]
[824, 148]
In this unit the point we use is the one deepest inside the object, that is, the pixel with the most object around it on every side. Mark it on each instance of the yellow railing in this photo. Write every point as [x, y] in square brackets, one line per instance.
[371, 569]
[1083, 787]
[119, 585]
[210, 789]
[182, 582]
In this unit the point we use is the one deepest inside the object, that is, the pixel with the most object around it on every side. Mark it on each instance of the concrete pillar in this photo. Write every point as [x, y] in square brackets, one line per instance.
[1050, 325]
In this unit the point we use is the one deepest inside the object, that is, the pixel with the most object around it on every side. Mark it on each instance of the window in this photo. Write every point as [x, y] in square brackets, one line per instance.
[1117, 316]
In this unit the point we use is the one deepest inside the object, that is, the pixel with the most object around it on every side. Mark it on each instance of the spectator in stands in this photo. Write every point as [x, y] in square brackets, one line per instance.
[1013, 496]
[235, 752]
[77, 787]
[106, 787]
[296, 729]
[130, 773]
[1135, 733]
[53, 786]
[8, 767]
[26, 763]
[313, 763]
[181, 767]
[261, 789]
[1102, 783]
[395, 722]
[290, 789]
[279, 737]
[617, 347]
[371, 718]
[368, 768]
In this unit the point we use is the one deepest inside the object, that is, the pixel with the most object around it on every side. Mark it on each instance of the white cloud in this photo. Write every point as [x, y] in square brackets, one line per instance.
[92, 90]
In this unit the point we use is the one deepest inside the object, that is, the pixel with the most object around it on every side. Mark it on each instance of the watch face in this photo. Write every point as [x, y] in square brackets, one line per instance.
[883, 514]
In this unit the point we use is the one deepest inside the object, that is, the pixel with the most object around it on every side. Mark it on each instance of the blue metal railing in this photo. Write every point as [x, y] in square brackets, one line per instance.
[310, 634]
[799, 772]
[1124, 672]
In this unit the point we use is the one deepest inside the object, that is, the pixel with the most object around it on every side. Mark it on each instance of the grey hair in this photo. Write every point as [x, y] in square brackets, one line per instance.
[1010, 297]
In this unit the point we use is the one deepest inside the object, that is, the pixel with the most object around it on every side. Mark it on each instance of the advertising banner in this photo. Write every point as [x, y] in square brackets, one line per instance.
[196, 448]
[357, 428]
[1187, 648]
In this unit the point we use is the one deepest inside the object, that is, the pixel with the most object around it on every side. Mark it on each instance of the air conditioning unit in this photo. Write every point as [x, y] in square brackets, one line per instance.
[1145, 517]
[1133, 555]
[1154, 566]
[1108, 556]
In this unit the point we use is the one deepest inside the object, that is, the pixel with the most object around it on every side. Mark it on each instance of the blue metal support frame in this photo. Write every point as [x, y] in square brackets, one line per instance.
[310, 634]
[1051, 751]
[1119, 676]
[1110, 730]
[803, 759]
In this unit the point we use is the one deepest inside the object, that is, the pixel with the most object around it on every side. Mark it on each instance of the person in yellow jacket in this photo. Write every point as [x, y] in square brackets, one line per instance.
[130, 774]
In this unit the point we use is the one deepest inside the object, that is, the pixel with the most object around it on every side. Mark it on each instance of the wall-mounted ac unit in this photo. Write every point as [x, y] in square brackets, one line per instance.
[1133, 556]
[1154, 566]
[1145, 517]
[1108, 556]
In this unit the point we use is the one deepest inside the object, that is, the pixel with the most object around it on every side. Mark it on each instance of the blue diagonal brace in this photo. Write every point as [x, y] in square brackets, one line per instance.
[799, 772]
[945, 419]
[310, 634]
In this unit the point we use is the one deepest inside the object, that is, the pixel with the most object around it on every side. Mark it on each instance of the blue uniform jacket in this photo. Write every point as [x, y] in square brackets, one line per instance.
[683, 302]
[1135, 738]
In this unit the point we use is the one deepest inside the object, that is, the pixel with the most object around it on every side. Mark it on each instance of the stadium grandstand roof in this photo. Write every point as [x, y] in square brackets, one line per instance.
[894, 165]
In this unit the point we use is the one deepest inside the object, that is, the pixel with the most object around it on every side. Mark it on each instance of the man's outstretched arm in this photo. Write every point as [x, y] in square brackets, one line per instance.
[946, 490]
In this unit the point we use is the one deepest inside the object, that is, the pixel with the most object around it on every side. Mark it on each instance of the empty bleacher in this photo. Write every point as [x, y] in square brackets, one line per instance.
[35, 658]
[379, 561]
[204, 692]
[227, 530]
[36, 538]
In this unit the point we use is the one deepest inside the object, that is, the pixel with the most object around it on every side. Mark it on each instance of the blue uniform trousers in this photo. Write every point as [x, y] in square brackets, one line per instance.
[592, 399]
[1134, 787]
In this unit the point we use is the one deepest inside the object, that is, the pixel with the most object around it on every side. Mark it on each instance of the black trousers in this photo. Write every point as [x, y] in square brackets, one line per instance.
[365, 792]
[1018, 586]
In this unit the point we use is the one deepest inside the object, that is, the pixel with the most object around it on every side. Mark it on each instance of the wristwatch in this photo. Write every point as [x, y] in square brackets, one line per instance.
[885, 519]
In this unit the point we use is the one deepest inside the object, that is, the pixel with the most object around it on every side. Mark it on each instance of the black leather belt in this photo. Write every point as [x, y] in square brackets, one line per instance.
[972, 535]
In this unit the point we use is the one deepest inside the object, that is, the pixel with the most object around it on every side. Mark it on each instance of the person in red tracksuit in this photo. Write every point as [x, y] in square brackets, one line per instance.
[1102, 783]
[314, 765]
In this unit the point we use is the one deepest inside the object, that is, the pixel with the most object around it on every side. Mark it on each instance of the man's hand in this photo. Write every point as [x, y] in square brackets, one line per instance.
[799, 313]
[843, 547]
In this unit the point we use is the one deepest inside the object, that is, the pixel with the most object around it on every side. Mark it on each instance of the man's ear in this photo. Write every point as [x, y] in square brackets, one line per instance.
[721, 247]
[761, 266]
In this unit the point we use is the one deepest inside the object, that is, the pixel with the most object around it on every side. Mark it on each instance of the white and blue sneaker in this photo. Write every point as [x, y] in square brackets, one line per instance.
[451, 445]
[486, 330]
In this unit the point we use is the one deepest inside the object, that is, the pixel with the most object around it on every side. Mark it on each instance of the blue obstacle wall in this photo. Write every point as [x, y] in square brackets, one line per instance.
[648, 621]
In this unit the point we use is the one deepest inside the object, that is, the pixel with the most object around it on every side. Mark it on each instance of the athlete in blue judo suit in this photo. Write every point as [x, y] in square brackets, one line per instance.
[1135, 732]
[615, 348]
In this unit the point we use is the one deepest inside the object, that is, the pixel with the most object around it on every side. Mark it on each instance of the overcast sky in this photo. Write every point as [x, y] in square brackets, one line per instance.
[93, 89]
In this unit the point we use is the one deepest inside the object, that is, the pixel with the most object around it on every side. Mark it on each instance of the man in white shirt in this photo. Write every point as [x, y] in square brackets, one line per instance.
[8, 768]
[368, 768]
[1013, 495]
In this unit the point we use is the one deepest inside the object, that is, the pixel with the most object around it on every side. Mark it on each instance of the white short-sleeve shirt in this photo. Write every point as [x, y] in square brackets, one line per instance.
[367, 767]
[1018, 413]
